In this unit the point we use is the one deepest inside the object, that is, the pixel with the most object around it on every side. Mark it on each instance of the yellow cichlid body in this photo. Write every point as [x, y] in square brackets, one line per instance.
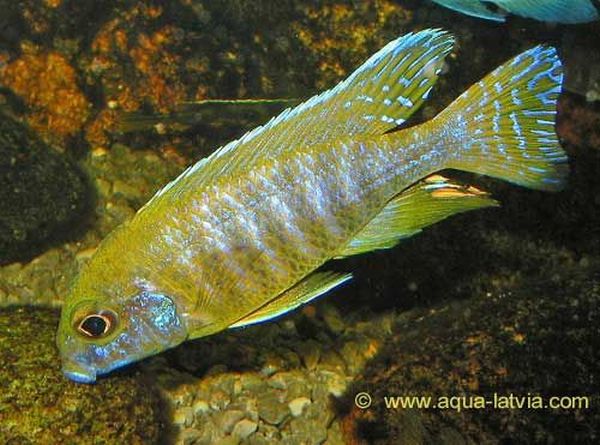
[236, 238]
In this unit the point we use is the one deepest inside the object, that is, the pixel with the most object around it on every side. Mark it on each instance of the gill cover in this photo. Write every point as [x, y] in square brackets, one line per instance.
[144, 325]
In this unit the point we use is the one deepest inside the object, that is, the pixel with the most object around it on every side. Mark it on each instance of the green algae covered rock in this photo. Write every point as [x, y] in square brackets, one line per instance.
[39, 406]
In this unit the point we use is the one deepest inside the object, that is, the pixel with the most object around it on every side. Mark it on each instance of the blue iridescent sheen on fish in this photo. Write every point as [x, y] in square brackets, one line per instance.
[239, 237]
[554, 11]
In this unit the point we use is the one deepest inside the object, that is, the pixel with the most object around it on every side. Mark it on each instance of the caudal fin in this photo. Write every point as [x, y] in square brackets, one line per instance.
[503, 126]
[556, 11]
[564, 11]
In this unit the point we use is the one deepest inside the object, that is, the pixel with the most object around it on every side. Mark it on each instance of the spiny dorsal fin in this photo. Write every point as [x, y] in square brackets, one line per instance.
[421, 205]
[379, 95]
[308, 289]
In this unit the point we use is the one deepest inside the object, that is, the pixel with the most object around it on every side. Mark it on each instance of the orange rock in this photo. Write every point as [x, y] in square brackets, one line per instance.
[48, 84]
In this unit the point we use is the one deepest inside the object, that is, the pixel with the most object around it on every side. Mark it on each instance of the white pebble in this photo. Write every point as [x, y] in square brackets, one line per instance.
[297, 405]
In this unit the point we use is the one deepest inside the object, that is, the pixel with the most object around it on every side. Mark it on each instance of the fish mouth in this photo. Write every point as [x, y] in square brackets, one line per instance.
[78, 373]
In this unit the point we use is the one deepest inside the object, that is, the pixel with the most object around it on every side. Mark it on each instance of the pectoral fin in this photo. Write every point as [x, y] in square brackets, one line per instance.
[308, 289]
[421, 205]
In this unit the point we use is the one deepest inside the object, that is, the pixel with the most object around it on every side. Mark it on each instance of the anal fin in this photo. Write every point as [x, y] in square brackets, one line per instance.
[306, 290]
[423, 204]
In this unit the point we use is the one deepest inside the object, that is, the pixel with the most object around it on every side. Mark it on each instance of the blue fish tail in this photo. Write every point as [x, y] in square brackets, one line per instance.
[563, 11]
[566, 11]
[504, 125]
[474, 8]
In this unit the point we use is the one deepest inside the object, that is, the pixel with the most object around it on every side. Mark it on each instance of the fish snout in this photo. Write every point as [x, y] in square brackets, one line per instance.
[78, 373]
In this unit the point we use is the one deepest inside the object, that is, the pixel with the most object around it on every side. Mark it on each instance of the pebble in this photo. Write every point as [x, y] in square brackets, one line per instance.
[252, 382]
[183, 416]
[353, 356]
[303, 430]
[228, 440]
[279, 380]
[331, 360]
[333, 319]
[336, 385]
[226, 420]
[99, 152]
[298, 388]
[237, 386]
[189, 436]
[183, 396]
[201, 407]
[219, 400]
[244, 428]
[104, 187]
[310, 353]
[271, 409]
[297, 405]
[272, 364]
[127, 191]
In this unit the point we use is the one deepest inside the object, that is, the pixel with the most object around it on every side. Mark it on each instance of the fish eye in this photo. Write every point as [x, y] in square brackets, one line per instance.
[97, 325]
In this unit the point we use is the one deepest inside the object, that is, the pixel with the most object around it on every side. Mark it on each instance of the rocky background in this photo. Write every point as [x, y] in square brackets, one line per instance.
[98, 103]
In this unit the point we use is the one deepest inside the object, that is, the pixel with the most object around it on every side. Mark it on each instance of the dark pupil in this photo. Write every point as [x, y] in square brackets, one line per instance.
[94, 326]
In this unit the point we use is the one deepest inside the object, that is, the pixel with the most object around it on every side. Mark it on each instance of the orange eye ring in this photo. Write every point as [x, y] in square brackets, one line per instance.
[96, 325]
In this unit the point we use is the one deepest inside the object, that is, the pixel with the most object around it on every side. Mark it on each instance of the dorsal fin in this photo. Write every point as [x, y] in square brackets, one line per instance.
[379, 95]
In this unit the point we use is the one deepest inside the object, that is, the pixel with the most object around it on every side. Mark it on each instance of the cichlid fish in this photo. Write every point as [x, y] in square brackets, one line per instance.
[236, 238]
[555, 11]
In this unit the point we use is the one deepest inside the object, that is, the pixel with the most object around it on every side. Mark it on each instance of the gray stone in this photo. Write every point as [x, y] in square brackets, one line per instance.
[126, 190]
[310, 352]
[331, 361]
[189, 436]
[335, 435]
[304, 430]
[252, 382]
[333, 319]
[227, 440]
[271, 409]
[272, 364]
[183, 417]
[219, 400]
[200, 407]
[244, 428]
[226, 420]
[352, 354]
[297, 405]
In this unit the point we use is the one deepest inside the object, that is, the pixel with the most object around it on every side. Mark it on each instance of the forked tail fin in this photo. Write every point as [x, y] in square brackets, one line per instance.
[503, 126]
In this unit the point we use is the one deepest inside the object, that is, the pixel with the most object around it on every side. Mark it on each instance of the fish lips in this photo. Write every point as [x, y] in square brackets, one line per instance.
[78, 373]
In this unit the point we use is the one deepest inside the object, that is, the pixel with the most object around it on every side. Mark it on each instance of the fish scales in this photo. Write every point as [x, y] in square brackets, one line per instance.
[240, 236]
[269, 227]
